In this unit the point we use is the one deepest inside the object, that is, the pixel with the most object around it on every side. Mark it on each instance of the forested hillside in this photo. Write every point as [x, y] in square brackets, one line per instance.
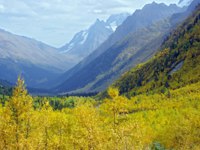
[176, 65]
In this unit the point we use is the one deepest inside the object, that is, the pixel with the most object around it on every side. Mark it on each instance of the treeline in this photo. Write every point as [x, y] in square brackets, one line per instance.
[118, 123]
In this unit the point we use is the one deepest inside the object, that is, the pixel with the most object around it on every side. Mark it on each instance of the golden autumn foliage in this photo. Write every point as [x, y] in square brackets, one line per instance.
[117, 123]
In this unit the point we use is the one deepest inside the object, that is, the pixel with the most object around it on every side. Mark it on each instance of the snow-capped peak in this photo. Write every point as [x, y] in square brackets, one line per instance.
[78, 39]
[116, 20]
[95, 35]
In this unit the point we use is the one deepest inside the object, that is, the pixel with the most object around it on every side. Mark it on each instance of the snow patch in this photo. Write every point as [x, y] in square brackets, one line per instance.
[84, 36]
[109, 27]
[113, 25]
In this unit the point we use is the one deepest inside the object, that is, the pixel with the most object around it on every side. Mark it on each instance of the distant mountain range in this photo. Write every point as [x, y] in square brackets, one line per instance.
[40, 63]
[135, 41]
[86, 41]
[37, 62]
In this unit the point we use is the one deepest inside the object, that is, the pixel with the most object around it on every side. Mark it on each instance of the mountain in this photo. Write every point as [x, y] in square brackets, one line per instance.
[179, 17]
[193, 5]
[176, 65]
[86, 41]
[183, 3]
[135, 41]
[5, 88]
[116, 20]
[35, 61]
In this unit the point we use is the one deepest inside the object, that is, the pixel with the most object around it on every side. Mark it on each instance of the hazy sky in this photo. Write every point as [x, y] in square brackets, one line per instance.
[56, 21]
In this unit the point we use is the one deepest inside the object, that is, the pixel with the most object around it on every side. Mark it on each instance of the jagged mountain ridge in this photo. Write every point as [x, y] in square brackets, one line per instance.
[113, 57]
[86, 41]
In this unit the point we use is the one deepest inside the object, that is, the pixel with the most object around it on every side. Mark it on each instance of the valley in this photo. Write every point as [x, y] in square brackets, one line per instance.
[130, 81]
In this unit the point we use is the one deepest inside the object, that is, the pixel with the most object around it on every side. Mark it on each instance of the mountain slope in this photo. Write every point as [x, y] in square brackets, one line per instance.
[87, 41]
[183, 3]
[176, 65]
[179, 17]
[35, 61]
[133, 42]
[116, 20]
[138, 20]
[5, 88]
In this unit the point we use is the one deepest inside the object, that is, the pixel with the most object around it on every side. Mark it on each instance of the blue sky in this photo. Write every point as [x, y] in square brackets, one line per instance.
[56, 21]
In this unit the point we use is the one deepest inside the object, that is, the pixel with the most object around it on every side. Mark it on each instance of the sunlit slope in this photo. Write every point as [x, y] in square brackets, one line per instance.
[176, 65]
